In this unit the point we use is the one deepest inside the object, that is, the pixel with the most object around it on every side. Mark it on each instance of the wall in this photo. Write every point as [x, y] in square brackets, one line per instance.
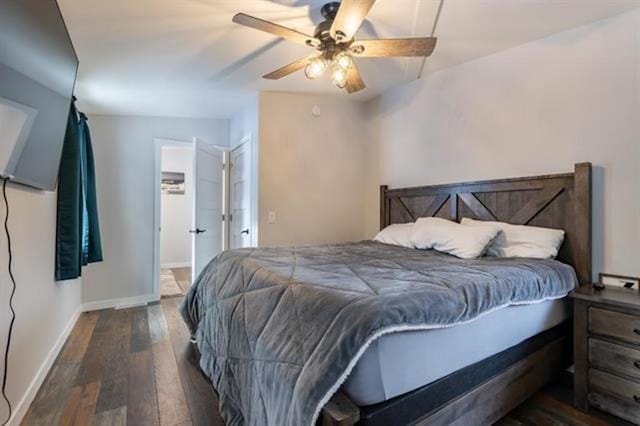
[124, 154]
[245, 122]
[177, 210]
[45, 310]
[534, 109]
[311, 169]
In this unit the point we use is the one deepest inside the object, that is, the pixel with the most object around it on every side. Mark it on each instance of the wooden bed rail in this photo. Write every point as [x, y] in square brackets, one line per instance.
[484, 404]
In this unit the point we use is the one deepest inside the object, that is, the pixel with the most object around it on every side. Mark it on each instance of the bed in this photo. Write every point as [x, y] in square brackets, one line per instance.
[288, 335]
[398, 363]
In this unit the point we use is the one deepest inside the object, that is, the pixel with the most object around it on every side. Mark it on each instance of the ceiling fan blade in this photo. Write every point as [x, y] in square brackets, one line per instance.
[350, 16]
[275, 29]
[354, 80]
[394, 47]
[289, 68]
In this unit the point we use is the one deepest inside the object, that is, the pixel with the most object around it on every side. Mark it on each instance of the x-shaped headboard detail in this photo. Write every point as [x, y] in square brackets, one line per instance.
[561, 201]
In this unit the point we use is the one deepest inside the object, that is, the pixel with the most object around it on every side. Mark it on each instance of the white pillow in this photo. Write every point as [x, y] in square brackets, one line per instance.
[466, 242]
[522, 240]
[398, 234]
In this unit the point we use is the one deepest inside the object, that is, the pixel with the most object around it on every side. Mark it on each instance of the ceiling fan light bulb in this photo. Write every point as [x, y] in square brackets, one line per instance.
[340, 77]
[315, 68]
[343, 60]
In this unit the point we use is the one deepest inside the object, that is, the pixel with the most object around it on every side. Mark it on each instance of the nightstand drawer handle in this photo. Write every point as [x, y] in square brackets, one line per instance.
[637, 331]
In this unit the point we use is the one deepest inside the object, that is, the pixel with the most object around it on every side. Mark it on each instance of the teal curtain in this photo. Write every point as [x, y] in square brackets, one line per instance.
[78, 230]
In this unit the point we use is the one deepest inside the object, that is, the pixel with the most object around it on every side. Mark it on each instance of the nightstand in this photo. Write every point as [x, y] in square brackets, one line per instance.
[606, 342]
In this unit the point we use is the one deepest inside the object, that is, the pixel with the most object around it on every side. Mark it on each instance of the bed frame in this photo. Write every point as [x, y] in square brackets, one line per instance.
[561, 201]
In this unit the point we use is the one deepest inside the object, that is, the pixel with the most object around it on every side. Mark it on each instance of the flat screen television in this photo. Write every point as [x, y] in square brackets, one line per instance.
[38, 66]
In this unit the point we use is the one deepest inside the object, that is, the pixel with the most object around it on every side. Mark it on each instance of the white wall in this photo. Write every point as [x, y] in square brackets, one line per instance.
[45, 309]
[124, 155]
[311, 169]
[245, 122]
[534, 109]
[177, 210]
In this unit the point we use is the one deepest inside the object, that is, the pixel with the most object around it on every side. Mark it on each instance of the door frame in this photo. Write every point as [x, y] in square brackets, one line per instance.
[253, 189]
[159, 143]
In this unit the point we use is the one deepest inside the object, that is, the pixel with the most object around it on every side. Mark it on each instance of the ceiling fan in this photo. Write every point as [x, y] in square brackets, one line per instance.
[333, 38]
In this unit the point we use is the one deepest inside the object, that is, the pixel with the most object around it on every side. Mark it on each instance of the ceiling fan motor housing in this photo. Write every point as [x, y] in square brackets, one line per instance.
[330, 10]
[328, 45]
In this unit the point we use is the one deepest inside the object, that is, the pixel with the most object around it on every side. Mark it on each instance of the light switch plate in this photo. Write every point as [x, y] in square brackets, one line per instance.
[272, 217]
[620, 281]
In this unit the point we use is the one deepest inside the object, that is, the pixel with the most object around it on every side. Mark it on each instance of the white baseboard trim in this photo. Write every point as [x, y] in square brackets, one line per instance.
[124, 302]
[23, 405]
[175, 265]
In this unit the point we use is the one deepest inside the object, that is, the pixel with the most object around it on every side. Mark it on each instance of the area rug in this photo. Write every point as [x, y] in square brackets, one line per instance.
[168, 285]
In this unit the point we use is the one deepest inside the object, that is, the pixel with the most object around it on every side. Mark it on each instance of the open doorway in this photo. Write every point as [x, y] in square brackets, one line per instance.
[189, 208]
[176, 211]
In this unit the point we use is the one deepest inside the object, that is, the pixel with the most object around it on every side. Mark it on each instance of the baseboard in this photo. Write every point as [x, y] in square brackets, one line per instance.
[124, 302]
[21, 408]
[175, 265]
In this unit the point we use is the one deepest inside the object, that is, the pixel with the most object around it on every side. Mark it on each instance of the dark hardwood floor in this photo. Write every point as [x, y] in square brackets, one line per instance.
[137, 367]
[553, 406]
[131, 366]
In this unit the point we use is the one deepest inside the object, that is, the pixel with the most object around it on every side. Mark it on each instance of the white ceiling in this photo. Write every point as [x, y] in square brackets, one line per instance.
[186, 58]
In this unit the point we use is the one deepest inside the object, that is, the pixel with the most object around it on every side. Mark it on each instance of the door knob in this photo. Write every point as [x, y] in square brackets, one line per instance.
[197, 231]
[245, 231]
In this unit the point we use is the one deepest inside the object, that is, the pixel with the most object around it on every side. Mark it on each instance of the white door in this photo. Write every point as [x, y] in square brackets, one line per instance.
[207, 211]
[240, 230]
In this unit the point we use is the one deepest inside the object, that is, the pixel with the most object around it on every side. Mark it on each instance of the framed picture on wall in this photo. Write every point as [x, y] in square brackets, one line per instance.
[172, 183]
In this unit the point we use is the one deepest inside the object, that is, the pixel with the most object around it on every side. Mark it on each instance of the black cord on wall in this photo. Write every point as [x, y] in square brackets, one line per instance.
[13, 312]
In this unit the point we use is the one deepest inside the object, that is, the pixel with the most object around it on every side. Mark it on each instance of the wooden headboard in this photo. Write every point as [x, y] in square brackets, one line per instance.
[561, 201]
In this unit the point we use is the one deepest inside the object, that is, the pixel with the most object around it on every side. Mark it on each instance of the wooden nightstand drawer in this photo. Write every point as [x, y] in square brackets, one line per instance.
[614, 324]
[615, 395]
[606, 333]
[618, 358]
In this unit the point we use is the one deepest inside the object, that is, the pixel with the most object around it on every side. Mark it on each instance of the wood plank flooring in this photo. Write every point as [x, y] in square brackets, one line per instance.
[553, 406]
[127, 367]
[137, 367]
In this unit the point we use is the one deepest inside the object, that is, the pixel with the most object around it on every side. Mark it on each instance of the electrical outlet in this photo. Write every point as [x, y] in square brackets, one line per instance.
[620, 281]
[272, 217]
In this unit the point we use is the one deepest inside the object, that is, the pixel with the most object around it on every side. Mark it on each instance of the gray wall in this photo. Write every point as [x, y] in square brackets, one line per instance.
[124, 155]
[534, 109]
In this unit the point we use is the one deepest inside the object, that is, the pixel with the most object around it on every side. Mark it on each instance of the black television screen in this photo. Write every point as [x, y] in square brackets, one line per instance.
[38, 66]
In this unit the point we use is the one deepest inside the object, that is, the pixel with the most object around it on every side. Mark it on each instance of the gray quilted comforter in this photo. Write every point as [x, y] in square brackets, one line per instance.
[279, 329]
